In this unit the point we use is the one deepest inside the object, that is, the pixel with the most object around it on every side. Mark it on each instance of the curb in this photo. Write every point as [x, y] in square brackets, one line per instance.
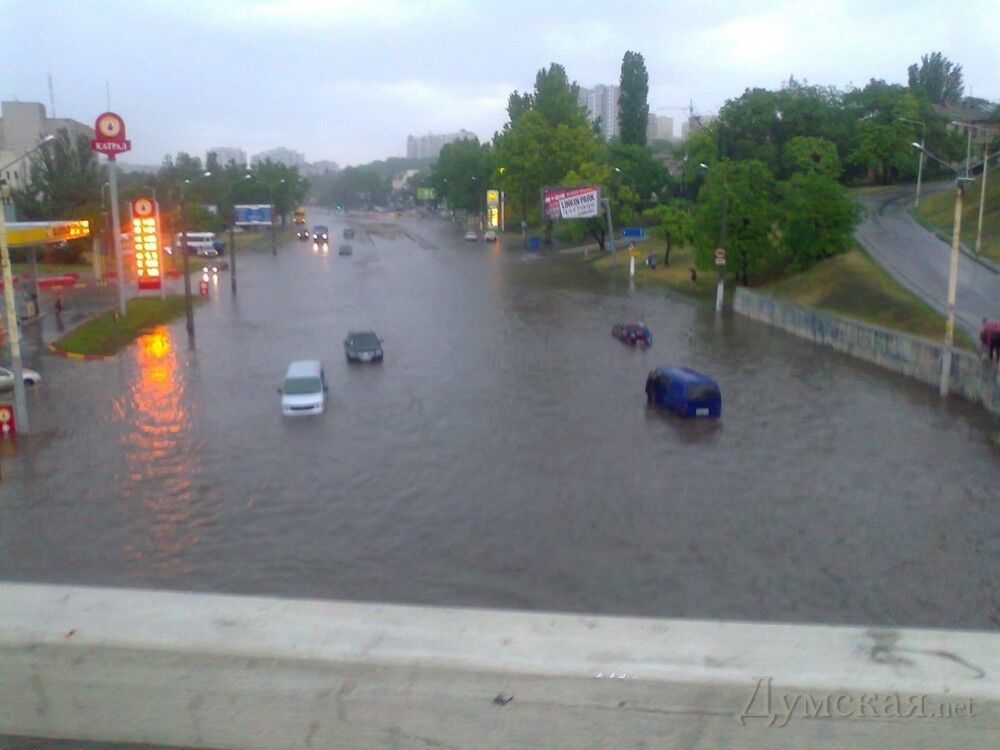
[79, 357]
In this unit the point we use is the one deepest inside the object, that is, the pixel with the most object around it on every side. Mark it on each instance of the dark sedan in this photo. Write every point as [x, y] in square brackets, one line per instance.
[363, 346]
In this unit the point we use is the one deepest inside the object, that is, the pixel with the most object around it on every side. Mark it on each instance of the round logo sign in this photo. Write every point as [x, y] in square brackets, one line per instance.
[110, 125]
[4, 415]
[143, 207]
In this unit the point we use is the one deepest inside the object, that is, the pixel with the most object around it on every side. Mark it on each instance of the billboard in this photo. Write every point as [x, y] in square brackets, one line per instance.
[426, 194]
[493, 198]
[253, 215]
[571, 202]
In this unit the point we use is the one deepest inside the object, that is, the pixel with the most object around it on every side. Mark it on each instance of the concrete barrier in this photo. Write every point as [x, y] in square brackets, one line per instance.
[201, 670]
[919, 358]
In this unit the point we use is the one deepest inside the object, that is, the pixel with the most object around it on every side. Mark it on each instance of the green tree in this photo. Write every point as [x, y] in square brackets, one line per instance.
[633, 104]
[818, 217]
[939, 77]
[738, 200]
[807, 154]
[646, 175]
[674, 225]
[462, 172]
[534, 154]
[555, 98]
[64, 182]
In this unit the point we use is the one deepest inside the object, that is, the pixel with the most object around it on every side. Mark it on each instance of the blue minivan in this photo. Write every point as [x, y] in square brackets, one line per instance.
[685, 391]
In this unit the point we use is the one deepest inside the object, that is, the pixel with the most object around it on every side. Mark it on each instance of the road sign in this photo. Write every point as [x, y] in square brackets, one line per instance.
[634, 233]
[109, 135]
[720, 256]
[7, 426]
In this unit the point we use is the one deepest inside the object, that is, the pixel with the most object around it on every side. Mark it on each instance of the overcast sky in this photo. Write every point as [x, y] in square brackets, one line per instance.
[349, 80]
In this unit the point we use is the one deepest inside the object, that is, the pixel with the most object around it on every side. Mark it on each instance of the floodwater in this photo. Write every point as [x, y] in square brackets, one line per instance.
[503, 454]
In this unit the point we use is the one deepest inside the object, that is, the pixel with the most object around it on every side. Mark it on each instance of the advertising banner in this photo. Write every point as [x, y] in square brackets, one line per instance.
[571, 202]
[253, 215]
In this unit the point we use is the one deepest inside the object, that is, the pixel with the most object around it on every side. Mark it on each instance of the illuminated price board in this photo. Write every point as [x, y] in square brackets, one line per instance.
[146, 243]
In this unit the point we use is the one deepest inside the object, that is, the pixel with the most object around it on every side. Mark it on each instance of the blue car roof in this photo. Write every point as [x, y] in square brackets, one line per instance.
[686, 374]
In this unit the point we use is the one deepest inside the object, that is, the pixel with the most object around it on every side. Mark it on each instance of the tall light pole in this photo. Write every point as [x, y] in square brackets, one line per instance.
[982, 199]
[920, 168]
[720, 288]
[13, 331]
[949, 328]
[188, 302]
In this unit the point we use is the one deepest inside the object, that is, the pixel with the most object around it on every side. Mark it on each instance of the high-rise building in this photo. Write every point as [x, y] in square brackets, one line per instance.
[318, 168]
[286, 156]
[22, 126]
[226, 154]
[659, 128]
[601, 103]
[430, 145]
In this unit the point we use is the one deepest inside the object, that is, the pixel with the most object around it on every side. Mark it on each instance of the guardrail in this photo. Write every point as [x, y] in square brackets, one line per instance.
[202, 670]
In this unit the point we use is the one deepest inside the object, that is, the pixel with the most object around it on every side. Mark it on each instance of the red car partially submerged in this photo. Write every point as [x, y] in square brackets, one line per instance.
[632, 333]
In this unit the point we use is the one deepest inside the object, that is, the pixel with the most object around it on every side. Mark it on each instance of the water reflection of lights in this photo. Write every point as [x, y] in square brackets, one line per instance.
[158, 456]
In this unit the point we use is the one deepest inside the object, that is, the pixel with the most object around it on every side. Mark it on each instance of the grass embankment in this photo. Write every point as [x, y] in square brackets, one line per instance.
[676, 275]
[104, 335]
[937, 212]
[851, 284]
[854, 285]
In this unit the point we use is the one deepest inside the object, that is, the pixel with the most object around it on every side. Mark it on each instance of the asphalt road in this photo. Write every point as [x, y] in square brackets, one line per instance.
[919, 260]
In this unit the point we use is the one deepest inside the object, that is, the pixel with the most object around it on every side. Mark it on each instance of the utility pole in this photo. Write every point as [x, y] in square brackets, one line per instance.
[949, 330]
[232, 250]
[188, 303]
[116, 232]
[13, 331]
[611, 230]
[982, 199]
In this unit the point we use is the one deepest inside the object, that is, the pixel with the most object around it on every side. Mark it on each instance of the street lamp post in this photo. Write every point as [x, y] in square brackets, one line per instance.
[188, 302]
[920, 167]
[13, 331]
[720, 288]
[982, 199]
[956, 232]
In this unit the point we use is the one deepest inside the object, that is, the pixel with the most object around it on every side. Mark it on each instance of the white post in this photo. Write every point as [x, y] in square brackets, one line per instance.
[116, 233]
[949, 330]
[631, 266]
[920, 173]
[982, 202]
[719, 289]
[96, 258]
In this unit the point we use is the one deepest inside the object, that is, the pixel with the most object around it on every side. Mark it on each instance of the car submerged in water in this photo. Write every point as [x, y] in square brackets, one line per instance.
[684, 391]
[634, 334]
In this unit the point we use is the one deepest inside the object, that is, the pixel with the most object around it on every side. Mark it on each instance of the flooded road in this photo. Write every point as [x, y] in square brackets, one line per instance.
[503, 454]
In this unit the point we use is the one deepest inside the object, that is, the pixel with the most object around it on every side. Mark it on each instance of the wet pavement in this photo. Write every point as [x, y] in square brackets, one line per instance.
[503, 454]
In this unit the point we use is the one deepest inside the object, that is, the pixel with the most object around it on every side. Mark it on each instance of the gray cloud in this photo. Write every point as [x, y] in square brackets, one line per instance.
[349, 80]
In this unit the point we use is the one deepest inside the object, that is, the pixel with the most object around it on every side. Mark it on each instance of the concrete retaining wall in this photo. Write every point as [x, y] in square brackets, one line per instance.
[224, 671]
[919, 358]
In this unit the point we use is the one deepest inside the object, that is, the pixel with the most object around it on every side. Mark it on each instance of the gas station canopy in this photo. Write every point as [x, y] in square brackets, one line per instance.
[27, 233]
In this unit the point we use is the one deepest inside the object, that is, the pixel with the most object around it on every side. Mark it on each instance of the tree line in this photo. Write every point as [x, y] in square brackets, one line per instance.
[767, 177]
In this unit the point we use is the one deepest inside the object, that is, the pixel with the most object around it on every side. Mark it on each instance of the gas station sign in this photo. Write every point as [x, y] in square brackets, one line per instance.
[146, 243]
[109, 136]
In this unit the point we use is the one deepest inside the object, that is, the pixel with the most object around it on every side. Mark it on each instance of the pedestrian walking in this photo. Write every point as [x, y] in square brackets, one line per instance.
[59, 305]
[694, 275]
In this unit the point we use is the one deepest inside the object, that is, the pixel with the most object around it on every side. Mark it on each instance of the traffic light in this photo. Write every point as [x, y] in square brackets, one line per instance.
[146, 243]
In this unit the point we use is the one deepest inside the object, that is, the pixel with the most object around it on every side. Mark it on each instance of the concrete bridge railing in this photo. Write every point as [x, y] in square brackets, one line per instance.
[201, 670]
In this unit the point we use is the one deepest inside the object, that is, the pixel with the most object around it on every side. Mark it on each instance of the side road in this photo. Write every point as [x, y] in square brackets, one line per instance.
[919, 260]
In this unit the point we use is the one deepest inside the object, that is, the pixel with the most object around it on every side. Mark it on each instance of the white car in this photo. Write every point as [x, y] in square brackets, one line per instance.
[490, 236]
[471, 236]
[7, 377]
[304, 389]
